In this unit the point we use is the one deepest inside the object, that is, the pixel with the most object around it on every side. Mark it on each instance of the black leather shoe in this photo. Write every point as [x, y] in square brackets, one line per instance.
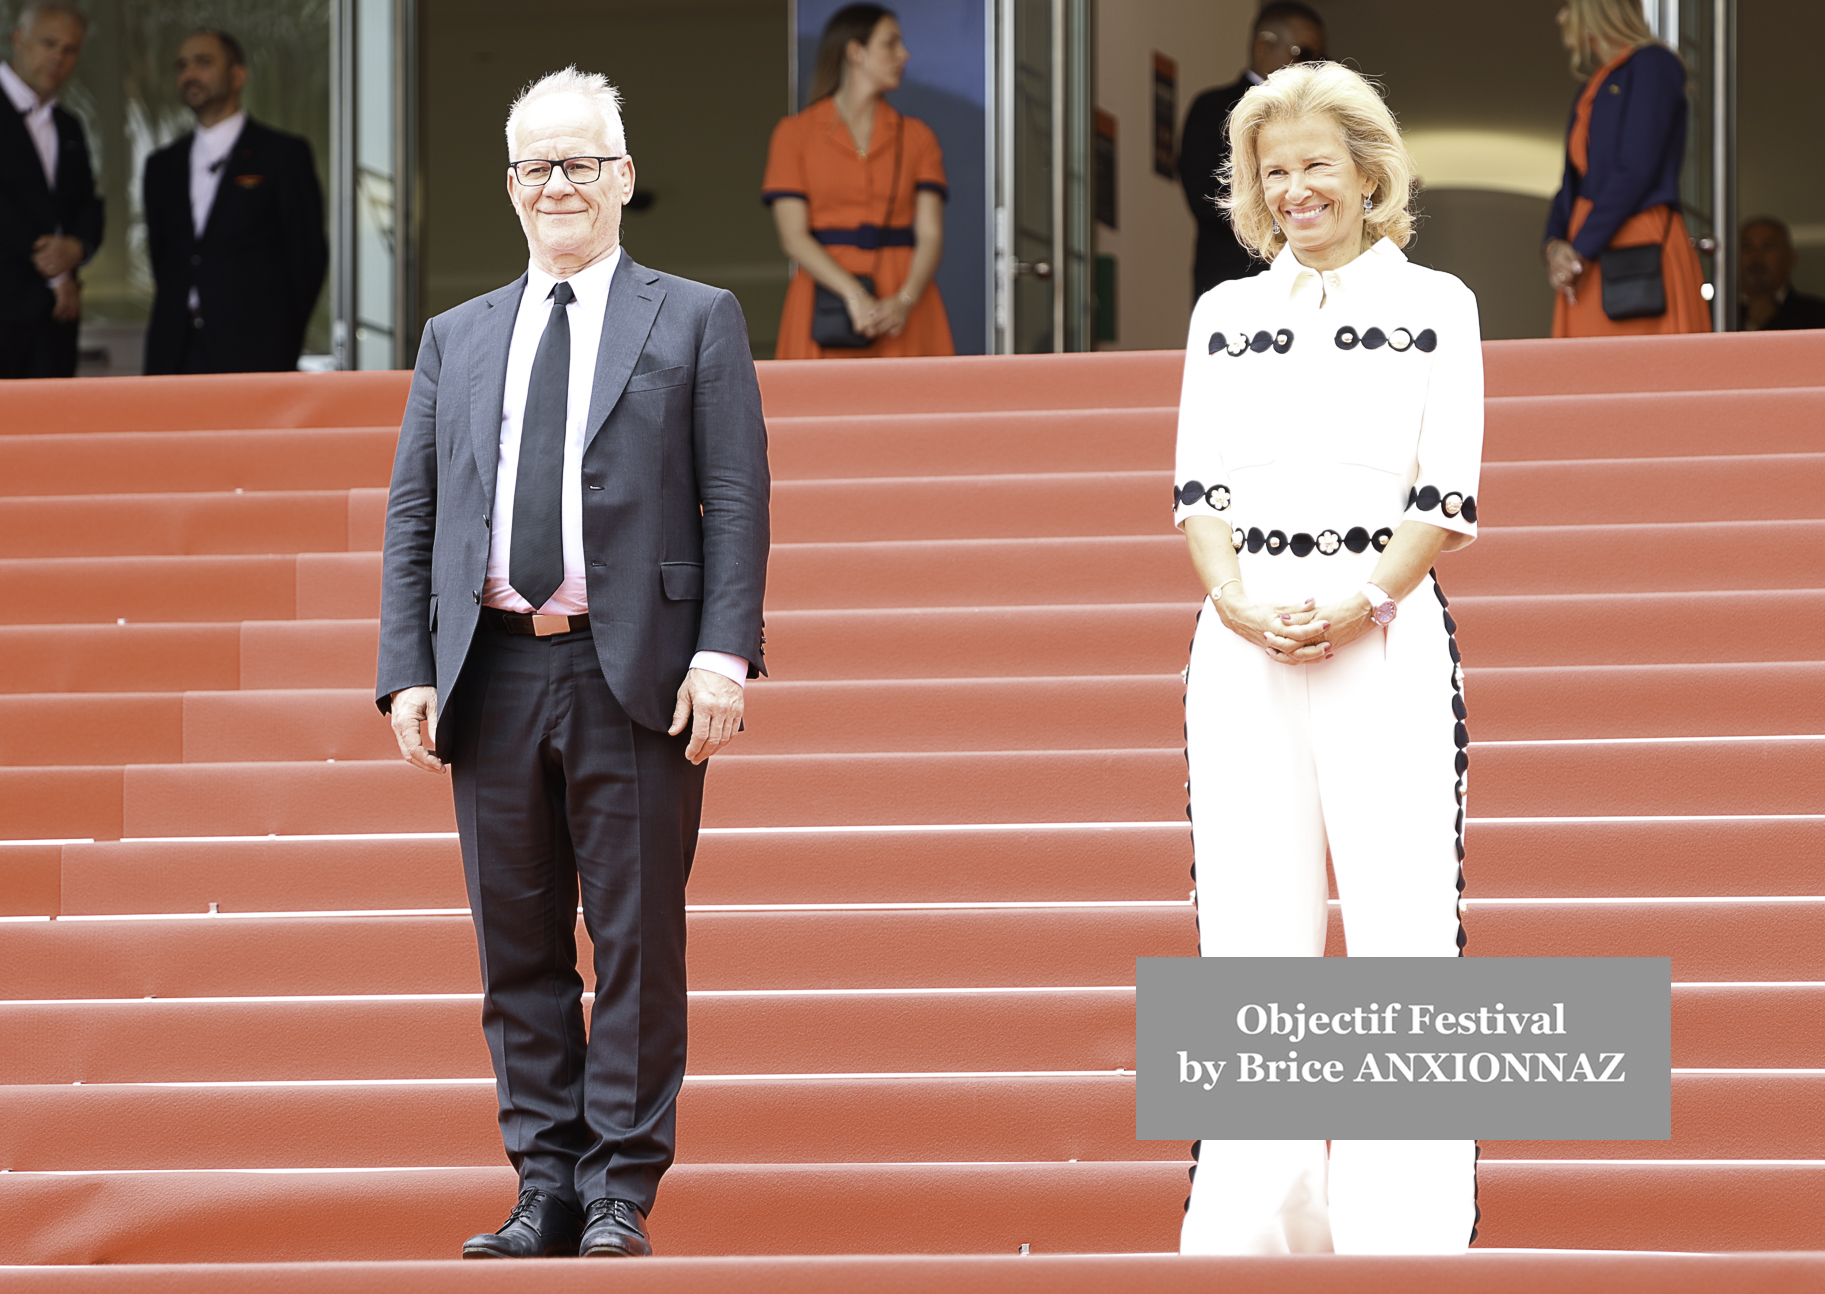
[612, 1229]
[540, 1226]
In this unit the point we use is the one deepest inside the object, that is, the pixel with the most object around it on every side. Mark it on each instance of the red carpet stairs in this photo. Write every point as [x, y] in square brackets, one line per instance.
[238, 990]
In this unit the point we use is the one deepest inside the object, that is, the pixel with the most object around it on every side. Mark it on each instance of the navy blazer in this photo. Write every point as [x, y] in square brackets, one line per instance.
[29, 208]
[1637, 145]
[675, 485]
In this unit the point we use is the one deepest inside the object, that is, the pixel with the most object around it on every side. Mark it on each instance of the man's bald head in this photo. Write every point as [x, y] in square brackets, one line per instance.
[1286, 32]
[1765, 258]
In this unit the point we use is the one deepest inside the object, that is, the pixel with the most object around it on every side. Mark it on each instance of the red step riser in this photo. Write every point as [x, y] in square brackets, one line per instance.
[1559, 560]
[1596, 859]
[942, 948]
[918, 715]
[176, 1040]
[1773, 776]
[766, 1121]
[179, 524]
[920, 1209]
[226, 402]
[153, 462]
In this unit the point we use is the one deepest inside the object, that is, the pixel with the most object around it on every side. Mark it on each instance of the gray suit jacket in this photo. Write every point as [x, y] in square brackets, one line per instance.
[675, 488]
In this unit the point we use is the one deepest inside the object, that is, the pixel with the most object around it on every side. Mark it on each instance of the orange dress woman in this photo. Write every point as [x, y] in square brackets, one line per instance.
[1623, 156]
[857, 190]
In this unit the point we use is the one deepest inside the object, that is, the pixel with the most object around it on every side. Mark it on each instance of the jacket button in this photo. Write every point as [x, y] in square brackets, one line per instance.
[196, 321]
[196, 260]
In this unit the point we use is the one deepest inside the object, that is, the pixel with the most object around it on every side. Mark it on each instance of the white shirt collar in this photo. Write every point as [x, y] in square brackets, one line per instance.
[590, 285]
[1253, 77]
[23, 98]
[1294, 277]
[217, 140]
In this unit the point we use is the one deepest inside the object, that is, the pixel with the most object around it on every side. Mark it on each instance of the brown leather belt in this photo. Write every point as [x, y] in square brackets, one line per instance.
[516, 622]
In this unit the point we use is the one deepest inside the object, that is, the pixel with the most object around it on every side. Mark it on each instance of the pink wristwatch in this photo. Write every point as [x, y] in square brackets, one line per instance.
[1381, 607]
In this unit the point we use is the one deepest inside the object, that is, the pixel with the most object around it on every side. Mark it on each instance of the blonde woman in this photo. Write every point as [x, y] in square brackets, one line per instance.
[1330, 440]
[1623, 153]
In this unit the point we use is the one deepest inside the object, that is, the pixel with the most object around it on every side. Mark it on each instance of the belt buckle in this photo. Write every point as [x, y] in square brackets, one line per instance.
[546, 626]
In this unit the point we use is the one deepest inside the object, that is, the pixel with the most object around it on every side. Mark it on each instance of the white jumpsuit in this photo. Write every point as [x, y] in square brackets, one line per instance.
[1318, 413]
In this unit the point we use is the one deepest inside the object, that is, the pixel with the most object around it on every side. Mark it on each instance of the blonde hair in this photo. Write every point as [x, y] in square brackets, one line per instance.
[1355, 105]
[1617, 24]
[592, 87]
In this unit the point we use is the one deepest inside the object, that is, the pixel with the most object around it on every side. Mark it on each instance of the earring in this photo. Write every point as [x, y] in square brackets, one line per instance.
[1276, 226]
[1368, 205]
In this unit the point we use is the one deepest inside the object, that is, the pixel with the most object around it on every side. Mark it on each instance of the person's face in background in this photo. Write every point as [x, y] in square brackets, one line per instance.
[568, 226]
[1765, 261]
[1314, 189]
[1282, 44]
[207, 82]
[882, 61]
[45, 55]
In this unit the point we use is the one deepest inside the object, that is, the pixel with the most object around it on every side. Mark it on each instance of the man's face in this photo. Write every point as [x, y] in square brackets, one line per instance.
[1285, 43]
[564, 222]
[1765, 262]
[45, 55]
[205, 77]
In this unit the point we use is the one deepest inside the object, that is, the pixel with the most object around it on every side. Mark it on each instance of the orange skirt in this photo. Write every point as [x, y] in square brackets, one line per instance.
[928, 327]
[1687, 310]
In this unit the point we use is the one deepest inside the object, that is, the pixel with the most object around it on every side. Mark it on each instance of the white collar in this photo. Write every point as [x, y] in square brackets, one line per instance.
[590, 285]
[214, 141]
[1376, 258]
[24, 99]
[1253, 77]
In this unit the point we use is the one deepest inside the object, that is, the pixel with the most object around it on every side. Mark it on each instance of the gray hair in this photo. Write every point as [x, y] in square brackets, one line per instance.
[36, 9]
[592, 87]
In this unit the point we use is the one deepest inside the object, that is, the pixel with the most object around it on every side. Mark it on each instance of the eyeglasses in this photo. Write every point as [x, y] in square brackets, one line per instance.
[578, 170]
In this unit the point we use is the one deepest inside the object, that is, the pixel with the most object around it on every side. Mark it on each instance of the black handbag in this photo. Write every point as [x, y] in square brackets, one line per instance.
[830, 324]
[1634, 286]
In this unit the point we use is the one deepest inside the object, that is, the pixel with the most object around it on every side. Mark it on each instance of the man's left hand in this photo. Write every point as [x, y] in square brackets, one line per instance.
[712, 705]
[68, 305]
[54, 254]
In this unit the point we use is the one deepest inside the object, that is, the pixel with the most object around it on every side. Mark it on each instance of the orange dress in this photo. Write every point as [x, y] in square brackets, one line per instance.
[1687, 310]
[813, 157]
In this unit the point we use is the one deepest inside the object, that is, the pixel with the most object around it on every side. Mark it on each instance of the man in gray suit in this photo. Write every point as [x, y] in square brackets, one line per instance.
[576, 551]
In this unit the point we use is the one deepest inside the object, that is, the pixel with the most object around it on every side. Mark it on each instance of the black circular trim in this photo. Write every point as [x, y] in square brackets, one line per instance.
[1262, 340]
[1217, 342]
[1451, 628]
[1237, 347]
[1452, 503]
[1191, 492]
[1427, 341]
[1460, 929]
[1439, 593]
[1255, 539]
[1469, 512]
[1237, 538]
[1283, 341]
[1348, 338]
[1356, 540]
[1218, 497]
[1457, 706]
[1374, 339]
[1455, 658]
[1276, 542]
[1460, 735]
[1462, 762]
[1381, 537]
[1329, 541]
[1427, 498]
[1459, 828]
[1400, 340]
[1302, 544]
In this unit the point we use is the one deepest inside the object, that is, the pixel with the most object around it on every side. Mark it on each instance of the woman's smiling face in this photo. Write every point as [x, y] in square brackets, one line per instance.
[1314, 189]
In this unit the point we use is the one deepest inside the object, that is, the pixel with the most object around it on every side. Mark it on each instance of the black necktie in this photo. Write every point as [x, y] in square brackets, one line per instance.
[535, 567]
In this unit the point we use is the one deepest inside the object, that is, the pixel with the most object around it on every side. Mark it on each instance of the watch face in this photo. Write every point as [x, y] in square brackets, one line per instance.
[1384, 614]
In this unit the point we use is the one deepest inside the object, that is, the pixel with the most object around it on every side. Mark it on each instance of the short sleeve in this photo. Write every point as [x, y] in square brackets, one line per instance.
[785, 177]
[1200, 479]
[925, 159]
[1451, 428]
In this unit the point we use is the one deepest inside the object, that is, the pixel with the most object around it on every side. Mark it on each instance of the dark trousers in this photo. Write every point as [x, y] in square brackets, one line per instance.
[557, 791]
[42, 349]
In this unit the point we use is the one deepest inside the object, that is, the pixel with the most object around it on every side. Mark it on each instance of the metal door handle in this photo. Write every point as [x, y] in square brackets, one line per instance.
[1038, 269]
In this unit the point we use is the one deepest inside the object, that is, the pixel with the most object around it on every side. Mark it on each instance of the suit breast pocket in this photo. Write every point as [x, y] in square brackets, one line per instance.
[682, 581]
[659, 378]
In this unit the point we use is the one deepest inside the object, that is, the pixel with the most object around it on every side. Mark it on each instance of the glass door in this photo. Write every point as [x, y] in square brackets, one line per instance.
[1704, 33]
[1042, 296]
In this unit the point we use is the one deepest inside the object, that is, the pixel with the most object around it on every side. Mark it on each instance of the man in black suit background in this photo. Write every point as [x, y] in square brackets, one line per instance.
[576, 549]
[1285, 32]
[50, 214]
[1765, 265]
[234, 228]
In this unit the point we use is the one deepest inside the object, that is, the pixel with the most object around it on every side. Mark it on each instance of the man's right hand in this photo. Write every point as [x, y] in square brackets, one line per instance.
[412, 706]
[68, 305]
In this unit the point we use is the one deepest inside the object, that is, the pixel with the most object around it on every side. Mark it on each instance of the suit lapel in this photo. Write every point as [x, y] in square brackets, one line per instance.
[180, 166]
[235, 161]
[488, 378]
[28, 151]
[633, 304]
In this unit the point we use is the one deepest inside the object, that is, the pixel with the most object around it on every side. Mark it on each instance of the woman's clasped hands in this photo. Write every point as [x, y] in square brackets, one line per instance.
[1295, 635]
[878, 316]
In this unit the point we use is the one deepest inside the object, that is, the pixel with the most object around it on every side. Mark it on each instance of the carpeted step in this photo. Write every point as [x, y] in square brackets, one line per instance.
[782, 1119]
[218, 402]
[108, 525]
[373, 1037]
[330, 458]
[916, 947]
[915, 1209]
[1509, 858]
